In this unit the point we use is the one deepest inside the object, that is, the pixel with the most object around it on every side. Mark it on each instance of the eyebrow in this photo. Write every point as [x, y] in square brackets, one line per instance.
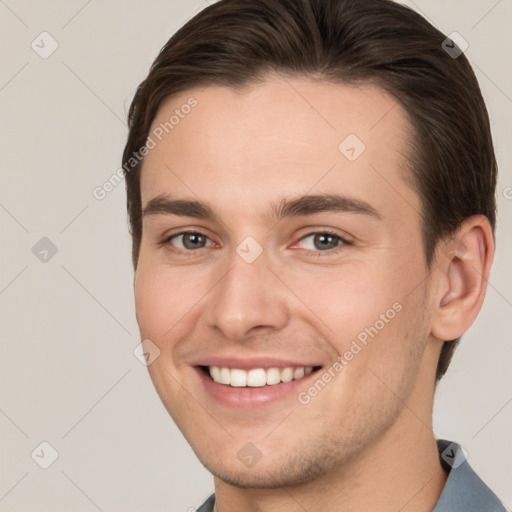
[165, 205]
[320, 203]
[299, 207]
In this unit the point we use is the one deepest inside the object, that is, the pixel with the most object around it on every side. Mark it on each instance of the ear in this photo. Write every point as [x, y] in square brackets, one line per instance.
[463, 266]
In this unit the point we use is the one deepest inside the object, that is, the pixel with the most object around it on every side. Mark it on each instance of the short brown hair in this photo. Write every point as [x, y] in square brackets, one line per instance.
[235, 43]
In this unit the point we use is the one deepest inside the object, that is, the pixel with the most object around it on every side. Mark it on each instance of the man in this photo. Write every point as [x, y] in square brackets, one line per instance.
[311, 197]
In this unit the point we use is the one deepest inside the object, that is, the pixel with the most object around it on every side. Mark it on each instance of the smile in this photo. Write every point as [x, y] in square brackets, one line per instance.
[256, 377]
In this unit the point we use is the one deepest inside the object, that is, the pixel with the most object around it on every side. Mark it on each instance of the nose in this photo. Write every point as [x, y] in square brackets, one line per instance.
[248, 300]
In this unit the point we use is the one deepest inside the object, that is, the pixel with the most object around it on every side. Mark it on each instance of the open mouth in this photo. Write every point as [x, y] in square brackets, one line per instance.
[256, 377]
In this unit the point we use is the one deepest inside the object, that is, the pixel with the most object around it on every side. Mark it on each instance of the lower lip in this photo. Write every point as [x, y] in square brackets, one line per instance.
[249, 397]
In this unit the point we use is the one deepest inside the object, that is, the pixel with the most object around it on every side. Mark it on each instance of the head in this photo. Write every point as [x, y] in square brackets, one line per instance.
[262, 122]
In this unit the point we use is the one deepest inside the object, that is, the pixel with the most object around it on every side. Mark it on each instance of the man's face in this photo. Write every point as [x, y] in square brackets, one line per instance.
[311, 258]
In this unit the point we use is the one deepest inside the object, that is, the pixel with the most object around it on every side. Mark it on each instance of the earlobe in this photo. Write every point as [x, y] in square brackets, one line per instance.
[464, 264]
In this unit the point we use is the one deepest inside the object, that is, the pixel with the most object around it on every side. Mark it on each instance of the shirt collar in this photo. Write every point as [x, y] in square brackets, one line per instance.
[463, 490]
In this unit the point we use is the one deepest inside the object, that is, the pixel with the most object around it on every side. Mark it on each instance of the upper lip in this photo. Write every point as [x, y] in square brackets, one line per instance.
[251, 362]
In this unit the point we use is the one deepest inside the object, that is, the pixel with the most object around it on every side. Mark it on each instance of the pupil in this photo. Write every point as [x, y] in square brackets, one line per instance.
[325, 241]
[193, 240]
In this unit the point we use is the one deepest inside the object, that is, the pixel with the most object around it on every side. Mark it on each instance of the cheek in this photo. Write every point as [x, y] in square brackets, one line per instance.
[394, 349]
[160, 300]
[369, 316]
[151, 304]
[346, 300]
[167, 300]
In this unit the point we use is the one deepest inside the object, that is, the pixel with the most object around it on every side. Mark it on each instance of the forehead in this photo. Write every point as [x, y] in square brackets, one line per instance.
[283, 136]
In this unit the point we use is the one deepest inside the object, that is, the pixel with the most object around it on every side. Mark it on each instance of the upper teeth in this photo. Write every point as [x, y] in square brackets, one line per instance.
[258, 376]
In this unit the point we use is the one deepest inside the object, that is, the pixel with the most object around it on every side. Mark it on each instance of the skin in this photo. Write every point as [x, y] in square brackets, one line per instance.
[365, 441]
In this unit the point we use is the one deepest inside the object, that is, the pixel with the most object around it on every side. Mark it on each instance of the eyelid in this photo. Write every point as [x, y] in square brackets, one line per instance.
[343, 236]
[166, 239]
[344, 241]
[317, 231]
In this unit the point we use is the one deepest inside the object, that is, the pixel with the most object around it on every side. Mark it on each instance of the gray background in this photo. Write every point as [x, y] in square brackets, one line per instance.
[67, 369]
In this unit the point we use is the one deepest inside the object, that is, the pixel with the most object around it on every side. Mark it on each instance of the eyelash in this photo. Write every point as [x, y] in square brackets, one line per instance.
[315, 253]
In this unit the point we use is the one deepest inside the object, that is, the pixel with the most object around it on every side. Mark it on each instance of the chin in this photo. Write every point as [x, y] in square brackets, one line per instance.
[269, 474]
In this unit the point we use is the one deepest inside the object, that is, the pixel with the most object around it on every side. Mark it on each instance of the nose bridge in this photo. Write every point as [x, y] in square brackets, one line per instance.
[248, 296]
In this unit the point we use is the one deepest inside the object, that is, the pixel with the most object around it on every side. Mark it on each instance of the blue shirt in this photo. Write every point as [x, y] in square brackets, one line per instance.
[464, 491]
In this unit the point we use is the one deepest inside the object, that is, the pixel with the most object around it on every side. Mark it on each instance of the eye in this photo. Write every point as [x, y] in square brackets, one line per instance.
[322, 241]
[189, 240]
